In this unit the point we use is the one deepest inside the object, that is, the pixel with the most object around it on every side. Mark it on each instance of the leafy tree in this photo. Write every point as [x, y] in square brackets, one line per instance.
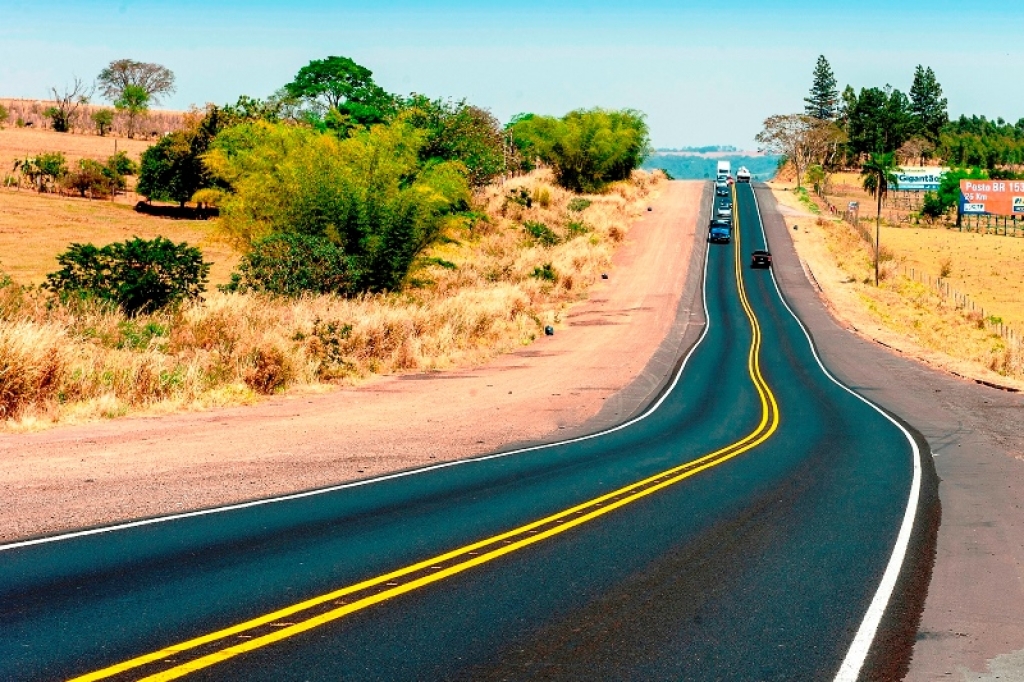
[66, 103]
[103, 118]
[4, 115]
[173, 169]
[120, 164]
[368, 194]
[879, 173]
[342, 93]
[89, 178]
[152, 79]
[139, 276]
[458, 131]
[134, 100]
[880, 121]
[587, 148]
[823, 102]
[927, 105]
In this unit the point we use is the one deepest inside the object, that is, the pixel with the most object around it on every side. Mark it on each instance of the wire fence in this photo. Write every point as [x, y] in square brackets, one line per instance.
[994, 225]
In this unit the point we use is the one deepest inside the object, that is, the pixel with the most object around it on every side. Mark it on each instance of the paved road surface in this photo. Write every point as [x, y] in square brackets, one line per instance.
[740, 530]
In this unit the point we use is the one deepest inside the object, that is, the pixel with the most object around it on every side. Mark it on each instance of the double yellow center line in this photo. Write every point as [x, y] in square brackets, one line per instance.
[195, 654]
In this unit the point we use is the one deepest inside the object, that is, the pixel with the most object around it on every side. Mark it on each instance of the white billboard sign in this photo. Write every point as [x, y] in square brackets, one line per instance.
[919, 178]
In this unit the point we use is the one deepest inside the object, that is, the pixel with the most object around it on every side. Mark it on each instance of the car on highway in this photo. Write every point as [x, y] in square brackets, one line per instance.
[760, 259]
[725, 202]
[720, 232]
[723, 213]
[722, 189]
[743, 175]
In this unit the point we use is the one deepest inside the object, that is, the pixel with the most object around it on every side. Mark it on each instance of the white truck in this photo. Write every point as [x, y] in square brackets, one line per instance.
[724, 169]
[743, 175]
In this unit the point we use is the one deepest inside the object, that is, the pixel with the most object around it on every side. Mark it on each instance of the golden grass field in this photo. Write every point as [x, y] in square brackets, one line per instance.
[908, 314]
[17, 143]
[35, 228]
[64, 363]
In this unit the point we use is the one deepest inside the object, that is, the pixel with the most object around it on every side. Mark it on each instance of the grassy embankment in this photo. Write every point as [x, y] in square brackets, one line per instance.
[489, 286]
[903, 311]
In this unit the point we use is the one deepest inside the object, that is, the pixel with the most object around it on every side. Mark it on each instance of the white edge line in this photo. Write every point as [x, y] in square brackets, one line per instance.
[401, 474]
[857, 654]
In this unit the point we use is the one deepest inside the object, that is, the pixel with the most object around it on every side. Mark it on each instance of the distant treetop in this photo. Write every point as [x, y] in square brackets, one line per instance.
[155, 80]
[823, 102]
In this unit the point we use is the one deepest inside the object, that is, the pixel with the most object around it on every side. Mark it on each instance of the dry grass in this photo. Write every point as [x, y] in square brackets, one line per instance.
[477, 294]
[903, 312]
[35, 228]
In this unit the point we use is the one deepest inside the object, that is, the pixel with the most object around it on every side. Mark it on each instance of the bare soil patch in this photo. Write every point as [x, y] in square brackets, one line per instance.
[130, 468]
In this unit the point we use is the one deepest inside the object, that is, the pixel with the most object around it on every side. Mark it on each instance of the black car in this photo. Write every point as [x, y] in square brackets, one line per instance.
[760, 259]
[722, 190]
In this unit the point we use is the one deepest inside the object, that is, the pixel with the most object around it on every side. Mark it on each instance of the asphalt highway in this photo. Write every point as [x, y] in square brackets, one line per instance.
[750, 525]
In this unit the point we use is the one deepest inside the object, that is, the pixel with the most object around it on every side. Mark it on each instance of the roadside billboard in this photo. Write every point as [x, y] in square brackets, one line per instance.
[919, 178]
[992, 197]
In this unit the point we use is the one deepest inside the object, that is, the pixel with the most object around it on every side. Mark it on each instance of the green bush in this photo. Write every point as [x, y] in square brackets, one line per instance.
[544, 272]
[139, 276]
[931, 206]
[579, 204]
[293, 264]
[587, 148]
[541, 233]
[576, 227]
[368, 195]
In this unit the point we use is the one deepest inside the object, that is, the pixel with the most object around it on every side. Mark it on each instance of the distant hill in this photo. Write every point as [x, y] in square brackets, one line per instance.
[697, 167]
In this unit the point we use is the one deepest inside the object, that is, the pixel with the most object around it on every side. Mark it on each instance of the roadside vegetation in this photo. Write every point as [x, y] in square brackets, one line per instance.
[943, 294]
[375, 233]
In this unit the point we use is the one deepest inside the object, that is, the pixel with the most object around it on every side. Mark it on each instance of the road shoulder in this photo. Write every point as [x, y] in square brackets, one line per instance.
[608, 361]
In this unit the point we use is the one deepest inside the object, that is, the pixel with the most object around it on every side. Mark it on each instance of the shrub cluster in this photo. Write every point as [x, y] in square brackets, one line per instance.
[139, 276]
[587, 148]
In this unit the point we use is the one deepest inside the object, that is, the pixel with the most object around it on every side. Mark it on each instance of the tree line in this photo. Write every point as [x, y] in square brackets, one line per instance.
[882, 127]
[334, 185]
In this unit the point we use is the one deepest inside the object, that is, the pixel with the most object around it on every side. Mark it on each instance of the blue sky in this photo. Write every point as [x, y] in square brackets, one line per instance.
[704, 73]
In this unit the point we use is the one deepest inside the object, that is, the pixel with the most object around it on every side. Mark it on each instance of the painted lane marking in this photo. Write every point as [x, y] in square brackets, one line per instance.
[857, 654]
[597, 507]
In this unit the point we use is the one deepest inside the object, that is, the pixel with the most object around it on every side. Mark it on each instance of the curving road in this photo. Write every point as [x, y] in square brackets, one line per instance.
[750, 525]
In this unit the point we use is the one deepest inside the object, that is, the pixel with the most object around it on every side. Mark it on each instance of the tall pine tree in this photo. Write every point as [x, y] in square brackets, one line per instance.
[927, 105]
[823, 102]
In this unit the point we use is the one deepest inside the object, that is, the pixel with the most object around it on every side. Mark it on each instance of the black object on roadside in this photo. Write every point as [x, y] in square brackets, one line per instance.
[649, 208]
[604, 275]
[549, 330]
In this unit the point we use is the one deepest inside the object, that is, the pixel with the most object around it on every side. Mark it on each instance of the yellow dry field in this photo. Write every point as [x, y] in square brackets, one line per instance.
[17, 143]
[35, 228]
[988, 268]
[906, 314]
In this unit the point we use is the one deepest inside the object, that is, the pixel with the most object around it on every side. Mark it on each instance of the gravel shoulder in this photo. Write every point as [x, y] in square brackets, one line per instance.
[972, 624]
[608, 361]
